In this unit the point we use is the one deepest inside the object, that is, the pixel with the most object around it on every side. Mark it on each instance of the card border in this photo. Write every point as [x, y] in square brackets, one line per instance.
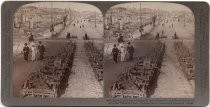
[201, 13]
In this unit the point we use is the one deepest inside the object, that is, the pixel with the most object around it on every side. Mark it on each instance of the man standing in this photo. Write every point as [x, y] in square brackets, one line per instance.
[68, 35]
[26, 51]
[120, 39]
[31, 37]
[157, 35]
[86, 37]
[41, 49]
[115, 52]
[130, 50]
[175, 36]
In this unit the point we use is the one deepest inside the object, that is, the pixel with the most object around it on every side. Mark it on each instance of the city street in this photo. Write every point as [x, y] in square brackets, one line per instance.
[82, 82]
[171, 82]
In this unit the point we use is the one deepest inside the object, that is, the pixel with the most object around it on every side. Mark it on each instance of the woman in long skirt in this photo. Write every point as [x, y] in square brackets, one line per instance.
[123, 53]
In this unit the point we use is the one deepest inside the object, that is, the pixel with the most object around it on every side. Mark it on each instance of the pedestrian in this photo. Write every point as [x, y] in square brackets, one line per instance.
[52, 28]
[41, 49]
[26, 51]
[31, 37]
[130, 50]
[33, 52]
[115, 52]
[120, 39]
[122, 53]
[68, 35]
[86, 37]
[175, 36]
[157, 35]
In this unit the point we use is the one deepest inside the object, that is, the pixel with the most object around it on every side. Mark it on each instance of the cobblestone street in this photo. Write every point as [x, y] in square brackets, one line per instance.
[82, 82]
[171, 82]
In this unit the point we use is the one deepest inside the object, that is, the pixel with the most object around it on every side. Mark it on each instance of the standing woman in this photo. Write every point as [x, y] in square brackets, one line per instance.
[33, 51]
[123, 52]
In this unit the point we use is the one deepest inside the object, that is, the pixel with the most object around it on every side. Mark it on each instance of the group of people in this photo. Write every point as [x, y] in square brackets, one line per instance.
[123, 51]
[37, 52]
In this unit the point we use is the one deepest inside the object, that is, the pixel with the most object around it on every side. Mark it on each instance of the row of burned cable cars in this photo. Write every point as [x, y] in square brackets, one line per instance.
[186, 59]
[95, 57]
[137, 81]
[52, 78]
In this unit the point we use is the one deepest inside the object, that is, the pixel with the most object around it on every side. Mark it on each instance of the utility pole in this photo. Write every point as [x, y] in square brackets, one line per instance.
[111, 17]
[51, 26]
[184, 20]
[95, 18]
[140, 16]
[51, 13]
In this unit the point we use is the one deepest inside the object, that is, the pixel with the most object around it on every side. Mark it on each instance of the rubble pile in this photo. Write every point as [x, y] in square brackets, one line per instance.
[186, 59]
[96, 59]
[137, 80]
[52, 78]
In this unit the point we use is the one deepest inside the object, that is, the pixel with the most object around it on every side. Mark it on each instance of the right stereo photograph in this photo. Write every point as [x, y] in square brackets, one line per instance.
[149, 51]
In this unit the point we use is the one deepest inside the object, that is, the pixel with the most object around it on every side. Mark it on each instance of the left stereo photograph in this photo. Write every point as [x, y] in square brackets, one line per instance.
[58, 50]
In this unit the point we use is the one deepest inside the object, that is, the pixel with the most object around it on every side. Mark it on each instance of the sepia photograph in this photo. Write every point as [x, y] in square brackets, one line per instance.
[149, 51]
[58, 50]
[146, 50]
[105, 53]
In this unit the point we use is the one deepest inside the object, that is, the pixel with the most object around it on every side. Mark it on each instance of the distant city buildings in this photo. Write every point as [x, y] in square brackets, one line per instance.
[33, 19]
[119, 16]
[127, 20]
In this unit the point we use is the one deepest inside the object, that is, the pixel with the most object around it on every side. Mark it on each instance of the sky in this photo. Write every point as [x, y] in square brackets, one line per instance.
[87, 7]
[75, 6]
[156, 5]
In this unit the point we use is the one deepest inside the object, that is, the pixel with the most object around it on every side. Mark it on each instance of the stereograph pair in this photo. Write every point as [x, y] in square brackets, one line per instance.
[135, 50]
